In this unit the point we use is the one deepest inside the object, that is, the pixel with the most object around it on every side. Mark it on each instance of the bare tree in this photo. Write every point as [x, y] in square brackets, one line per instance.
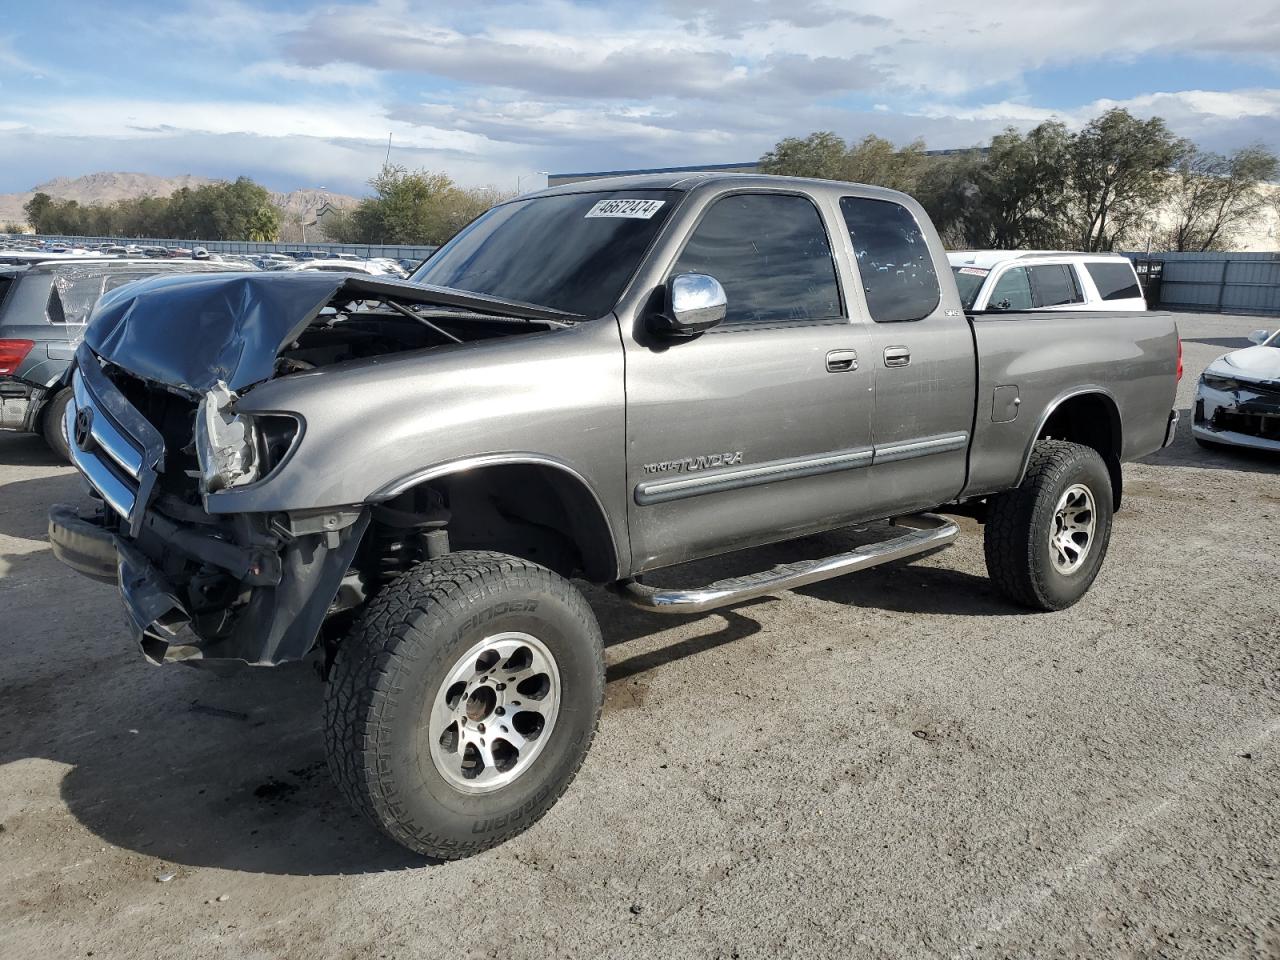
[1215, 196]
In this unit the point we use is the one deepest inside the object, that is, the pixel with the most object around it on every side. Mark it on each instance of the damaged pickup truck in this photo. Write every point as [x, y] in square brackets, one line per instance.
[600, 381]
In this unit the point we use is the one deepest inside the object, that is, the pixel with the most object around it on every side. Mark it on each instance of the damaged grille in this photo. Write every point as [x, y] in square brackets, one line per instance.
[1263, 425]
[119, 452]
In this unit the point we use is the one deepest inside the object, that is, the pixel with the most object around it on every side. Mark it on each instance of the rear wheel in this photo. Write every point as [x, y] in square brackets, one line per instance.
[464, 701]
[1045, 541]
[51, 426]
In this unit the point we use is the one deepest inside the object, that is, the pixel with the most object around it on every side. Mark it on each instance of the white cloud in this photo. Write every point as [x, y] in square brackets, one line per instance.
[509, 86]
[331, 75]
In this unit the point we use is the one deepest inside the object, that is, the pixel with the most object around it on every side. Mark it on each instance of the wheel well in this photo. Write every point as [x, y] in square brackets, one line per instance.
[533, 511]
[1092, 420]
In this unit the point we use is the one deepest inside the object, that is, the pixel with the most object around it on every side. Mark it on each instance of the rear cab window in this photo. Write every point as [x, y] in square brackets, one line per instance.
[894, 261]
[771, 253]
[1115, 281]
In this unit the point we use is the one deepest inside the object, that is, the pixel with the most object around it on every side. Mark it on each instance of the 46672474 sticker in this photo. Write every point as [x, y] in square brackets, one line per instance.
[625, 208]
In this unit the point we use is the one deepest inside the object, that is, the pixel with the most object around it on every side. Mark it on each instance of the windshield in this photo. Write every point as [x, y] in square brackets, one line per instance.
[969, 281]
[573, 252]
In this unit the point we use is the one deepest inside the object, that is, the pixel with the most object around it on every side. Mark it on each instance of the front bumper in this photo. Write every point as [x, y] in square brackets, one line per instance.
[1245, 416]
[289, 593]
[251, 587]
[20, 404]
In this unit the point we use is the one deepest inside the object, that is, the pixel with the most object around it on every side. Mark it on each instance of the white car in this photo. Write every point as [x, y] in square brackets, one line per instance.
[1045, 280]
[340, 266]
[1238, 397]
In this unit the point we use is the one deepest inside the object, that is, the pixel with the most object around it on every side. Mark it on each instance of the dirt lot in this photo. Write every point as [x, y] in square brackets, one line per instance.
[896, 764]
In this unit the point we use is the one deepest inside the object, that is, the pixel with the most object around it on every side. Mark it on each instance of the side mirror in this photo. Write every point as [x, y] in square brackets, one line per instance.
[694, 303]
[1259, 336]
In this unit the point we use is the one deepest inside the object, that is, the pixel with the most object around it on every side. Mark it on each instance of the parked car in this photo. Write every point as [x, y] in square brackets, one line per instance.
[43, 310]
[601, 380]
[1238, 397]
[339, 266]
[1045, 280]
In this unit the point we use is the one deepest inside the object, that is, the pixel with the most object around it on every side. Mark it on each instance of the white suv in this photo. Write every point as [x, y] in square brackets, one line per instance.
[1045, 280]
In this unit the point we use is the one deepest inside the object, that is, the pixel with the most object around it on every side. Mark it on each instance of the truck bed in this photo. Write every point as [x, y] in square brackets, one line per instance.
[1042, 358]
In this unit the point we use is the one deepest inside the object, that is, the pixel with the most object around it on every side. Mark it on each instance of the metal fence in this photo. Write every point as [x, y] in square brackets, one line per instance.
[1218, 282]
[366, 250]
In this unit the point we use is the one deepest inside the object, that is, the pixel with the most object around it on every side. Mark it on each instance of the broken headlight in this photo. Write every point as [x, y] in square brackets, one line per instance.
[235, 449]
[1216, 381]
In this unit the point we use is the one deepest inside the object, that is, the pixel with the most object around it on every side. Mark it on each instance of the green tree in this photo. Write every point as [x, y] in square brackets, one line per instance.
[241, 210]
[40, 212]
[1119, 174]
[872, 160]
[877, 161]
[820, 154]
[419, 207]
[1017, 197]
[1214, 196]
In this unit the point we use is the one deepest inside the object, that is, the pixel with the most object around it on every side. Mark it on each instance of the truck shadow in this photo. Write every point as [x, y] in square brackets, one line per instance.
[191, 769]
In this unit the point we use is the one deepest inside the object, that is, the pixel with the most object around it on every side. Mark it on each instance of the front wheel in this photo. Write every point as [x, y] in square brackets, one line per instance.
[464, 702]
[1045, 540]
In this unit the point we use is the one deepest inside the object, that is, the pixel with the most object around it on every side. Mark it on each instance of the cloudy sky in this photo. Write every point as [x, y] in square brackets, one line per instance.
[302, 94]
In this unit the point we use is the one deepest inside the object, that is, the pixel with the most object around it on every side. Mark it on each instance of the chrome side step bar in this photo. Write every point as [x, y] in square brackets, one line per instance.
[928, 532]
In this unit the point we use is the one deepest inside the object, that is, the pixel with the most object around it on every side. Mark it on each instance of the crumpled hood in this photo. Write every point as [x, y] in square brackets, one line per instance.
[1260, 364]
[192, 330]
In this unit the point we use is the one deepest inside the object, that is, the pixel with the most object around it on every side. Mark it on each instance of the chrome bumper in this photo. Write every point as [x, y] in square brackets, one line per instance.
[1171, 431]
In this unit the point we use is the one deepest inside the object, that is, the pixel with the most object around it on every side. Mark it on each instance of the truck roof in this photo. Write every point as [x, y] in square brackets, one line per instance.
[685, 181]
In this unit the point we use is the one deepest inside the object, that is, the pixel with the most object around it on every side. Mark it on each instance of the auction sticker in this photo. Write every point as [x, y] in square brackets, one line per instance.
[974, 271]
[627, 209]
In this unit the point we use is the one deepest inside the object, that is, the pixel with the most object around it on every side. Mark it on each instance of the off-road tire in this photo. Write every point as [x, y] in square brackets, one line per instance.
[51, 424]
[1016, 538]
[387, 671]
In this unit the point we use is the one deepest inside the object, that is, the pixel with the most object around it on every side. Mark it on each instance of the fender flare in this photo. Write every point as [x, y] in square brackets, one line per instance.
[1053, 407]
[449, 468]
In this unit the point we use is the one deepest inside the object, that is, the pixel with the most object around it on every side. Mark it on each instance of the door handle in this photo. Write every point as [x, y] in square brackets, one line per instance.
[838, 361]
[896, 356]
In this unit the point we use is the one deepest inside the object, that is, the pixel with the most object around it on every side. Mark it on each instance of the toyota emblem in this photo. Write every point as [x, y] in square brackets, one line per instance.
[84, 429]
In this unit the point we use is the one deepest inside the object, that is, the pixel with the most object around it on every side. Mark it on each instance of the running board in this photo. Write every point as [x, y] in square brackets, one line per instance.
[928, 532]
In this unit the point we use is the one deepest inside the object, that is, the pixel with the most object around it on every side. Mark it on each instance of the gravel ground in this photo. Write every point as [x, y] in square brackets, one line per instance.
[891, 764]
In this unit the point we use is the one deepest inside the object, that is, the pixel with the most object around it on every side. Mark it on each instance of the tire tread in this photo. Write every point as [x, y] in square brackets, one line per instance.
[1009, 543]
[366, 679]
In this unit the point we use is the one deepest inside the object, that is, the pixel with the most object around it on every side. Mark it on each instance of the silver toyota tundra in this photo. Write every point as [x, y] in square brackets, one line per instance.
[598, 381]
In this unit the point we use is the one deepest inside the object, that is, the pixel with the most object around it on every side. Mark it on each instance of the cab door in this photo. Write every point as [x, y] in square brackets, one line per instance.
[922, 352]
[759, 429]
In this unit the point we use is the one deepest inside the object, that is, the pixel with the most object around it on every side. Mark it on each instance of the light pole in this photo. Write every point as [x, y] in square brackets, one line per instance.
[536, 173]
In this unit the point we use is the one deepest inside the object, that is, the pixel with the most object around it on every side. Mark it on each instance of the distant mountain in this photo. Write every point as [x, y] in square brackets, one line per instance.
[110, 187]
